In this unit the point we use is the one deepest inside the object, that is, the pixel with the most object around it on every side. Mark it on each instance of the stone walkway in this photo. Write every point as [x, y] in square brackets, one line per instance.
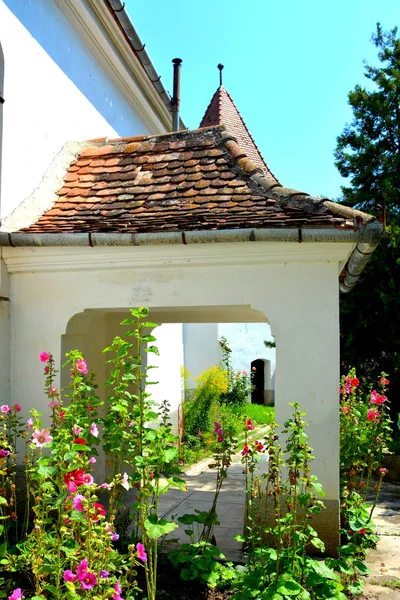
[201, 488]
[384, 562]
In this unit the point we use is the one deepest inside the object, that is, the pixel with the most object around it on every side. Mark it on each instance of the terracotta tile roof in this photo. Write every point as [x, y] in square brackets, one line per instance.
[190, 180]
[223, 111]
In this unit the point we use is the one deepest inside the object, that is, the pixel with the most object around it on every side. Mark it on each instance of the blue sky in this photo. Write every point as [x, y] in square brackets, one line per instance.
[289, 66]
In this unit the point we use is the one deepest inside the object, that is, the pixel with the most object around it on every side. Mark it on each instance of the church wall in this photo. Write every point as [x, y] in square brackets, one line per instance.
[55, 90]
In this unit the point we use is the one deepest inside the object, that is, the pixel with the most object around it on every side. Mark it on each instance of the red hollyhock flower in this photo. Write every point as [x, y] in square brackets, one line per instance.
[80, 441]
[99, 510]
[258, 446]
[73, 479]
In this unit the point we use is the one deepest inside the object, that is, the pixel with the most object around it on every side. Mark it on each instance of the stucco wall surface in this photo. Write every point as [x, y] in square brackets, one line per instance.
[55, 91]
[302, 311]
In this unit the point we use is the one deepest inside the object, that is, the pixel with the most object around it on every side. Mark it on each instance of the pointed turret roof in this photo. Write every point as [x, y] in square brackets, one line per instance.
[223, 111]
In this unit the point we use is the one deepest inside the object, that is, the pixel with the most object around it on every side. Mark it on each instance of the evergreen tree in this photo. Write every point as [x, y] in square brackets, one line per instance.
[368, 154]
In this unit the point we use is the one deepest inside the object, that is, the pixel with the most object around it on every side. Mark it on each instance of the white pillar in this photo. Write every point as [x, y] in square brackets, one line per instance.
[306, 330]
[4, 336]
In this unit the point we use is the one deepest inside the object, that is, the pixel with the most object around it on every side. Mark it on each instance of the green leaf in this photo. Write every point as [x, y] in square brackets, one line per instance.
[170, 454]
[153, 349]
[318, 544]
[47, 471]
[3, 500]
[287, 586]
[155, 527]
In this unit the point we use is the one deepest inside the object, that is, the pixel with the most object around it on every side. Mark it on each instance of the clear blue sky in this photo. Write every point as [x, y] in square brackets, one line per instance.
[289, 66]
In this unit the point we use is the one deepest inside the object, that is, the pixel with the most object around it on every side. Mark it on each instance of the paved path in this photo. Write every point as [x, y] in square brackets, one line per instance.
[200, 494]
[384, 562]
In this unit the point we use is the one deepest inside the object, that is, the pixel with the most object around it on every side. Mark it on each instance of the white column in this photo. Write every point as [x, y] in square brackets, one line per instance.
[4, 336]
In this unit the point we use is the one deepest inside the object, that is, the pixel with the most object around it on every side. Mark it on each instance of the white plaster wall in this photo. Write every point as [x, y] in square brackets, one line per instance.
[55, 91]
[4, 335]
[246, 341]
[201, 349]
[300, 300]
[169, 364]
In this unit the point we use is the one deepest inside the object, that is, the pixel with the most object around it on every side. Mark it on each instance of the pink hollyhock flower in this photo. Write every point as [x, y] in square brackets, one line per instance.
[345, 409]
[104, 574]
[16, 595]
[44, 357]
[29, 423]
[114, 537]
[383, 381]
[141, 552]
[216, 427]
[46, 370]
[4, 453]
[106, 486]
[116, 595]
[374, 395]
[73, 479]
[347, 388]
[131, 424]
[53, 404]
[383, 471]
[124, 481]
[41, 438]
[88, 479]
[52, 390]
[17, 407]
[78, 502]
[258, 446]
[245, 450]
[372, 414]
[250, 424]
[77, 429]
[92, 460]
[82, 569]
[81, 366]
[93, 430]
[220, 434]
[5, 408]
[244, 373]
[69, 575]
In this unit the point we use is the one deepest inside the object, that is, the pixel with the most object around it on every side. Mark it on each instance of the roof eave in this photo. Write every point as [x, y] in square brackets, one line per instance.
[365, 238]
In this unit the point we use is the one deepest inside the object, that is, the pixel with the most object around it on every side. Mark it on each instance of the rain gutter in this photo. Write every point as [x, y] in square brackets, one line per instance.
[366, 238]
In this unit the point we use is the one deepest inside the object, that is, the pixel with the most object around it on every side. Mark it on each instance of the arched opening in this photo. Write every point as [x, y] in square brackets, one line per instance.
[262, 392]
[258, 380]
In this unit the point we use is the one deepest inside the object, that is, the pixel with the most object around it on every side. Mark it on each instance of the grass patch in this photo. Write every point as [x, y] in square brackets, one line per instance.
[262, 415]
[393, 584]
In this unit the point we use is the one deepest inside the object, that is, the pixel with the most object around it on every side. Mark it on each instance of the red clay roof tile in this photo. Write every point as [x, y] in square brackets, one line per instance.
[191, 180]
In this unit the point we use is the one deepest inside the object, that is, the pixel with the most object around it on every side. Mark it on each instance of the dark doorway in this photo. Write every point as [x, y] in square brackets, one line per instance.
[257, 373]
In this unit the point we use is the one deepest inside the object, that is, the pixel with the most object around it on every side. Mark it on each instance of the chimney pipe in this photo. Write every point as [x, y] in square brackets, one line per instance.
[176, 98]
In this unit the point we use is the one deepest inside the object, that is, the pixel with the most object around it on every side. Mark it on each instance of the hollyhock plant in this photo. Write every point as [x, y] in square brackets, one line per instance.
[250, 424]
[80, 441]
[372, 415]
[4, 453]
[141, 552]
[69, 575]
[17, 407]
[124, 481]
[77, 430]
[81, 366]
[5, 408]
[78, 502]
[245, 450]
[44, 357]
[16, 595]
[41, 438]
[93, 430]
[53, 404]
[29, 423]
[73, 479]
[88, 479]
